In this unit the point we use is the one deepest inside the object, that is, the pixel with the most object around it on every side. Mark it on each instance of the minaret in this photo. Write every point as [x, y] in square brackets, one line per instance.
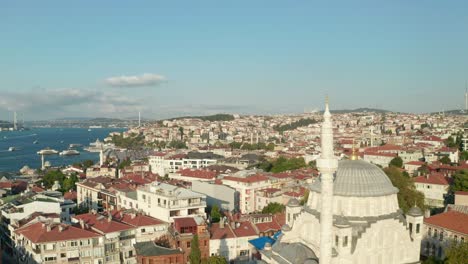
[327, 165]
[139, 119]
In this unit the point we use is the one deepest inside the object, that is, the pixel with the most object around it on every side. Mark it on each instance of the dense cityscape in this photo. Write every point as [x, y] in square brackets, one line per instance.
[225, 188]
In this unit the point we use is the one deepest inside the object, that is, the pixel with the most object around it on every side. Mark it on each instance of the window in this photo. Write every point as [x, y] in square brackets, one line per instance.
[188, 244]
[462, 239]
[441, 236]
[336, 241]
[345, 241]
[143, 230]
[455, 238]
[435, 233]
[429, 232]
[205, 243]
[63, 255]
[411, 227]
[417, 228]
[50, 258]
[439, 253]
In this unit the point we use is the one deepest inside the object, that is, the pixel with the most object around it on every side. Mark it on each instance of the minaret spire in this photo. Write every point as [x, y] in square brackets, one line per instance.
[327, 165]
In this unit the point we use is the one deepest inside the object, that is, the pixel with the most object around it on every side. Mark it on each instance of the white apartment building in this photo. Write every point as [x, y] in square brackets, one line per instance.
[247, 187]
[163, 164]
[166, 202]
[434, 187]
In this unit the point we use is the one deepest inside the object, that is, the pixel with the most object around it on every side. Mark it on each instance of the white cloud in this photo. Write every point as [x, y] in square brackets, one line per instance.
[50, 103]
[146, 79]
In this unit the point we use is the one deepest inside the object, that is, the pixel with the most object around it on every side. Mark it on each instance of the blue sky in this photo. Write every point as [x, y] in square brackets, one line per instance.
[167, 58]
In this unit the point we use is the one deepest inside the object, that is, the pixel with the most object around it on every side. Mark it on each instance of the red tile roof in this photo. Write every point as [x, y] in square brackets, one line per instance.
[461, 193]
[101, 223]
[250, 179]
[37, 233]
[221, 233]
[201, 174]
[452, 220]
[435, 178]
[136, 220]
[71, 195]
[415, 163]
[245, 229]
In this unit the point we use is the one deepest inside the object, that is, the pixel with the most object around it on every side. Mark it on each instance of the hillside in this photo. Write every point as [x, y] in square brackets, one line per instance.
[212, 118]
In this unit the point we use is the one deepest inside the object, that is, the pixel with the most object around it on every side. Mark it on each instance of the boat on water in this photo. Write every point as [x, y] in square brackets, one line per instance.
[75, 146]
[11, 149]
[47, 151]
[35, 142]
[89, 129]
[69, 152]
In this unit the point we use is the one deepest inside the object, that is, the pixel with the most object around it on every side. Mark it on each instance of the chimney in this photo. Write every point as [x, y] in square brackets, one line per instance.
[82, 223]
[427, 176]
[133, 215]
[109, 217]
[221, 222]
[49, 228]
[60, 228]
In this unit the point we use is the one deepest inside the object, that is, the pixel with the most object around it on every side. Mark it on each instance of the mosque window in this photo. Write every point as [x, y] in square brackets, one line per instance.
[429, 232]
[455, 238]
[345, 241]
[435, 233]
[441, 235]
[417, 228]
[336, 241]
[411, 227]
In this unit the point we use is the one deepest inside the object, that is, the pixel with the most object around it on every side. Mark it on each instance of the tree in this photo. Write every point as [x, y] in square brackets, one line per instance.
[87, 164]
[432, 260]
[273, 208]
[460, 181]
[181, 131]
[464, 155]
[70, 183]
[195, 253]
[445, 160]
[407, 195]
[215, 260]
[305, 197]
[51, 176]
[125, 163]
[457, 253]
[215, 215]
[397, 162]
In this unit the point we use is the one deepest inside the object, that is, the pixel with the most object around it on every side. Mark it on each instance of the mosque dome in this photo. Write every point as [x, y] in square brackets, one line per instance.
[293, 202]
[415, 211]
[358, 178]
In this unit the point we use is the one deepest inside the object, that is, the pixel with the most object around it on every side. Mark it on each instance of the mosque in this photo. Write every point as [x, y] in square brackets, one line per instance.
[351, 216]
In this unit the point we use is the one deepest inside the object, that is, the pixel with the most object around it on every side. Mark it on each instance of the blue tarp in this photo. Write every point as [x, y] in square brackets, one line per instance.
[259, 243]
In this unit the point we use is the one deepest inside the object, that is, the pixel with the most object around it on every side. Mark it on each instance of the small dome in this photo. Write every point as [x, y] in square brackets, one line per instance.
[415, 211]
[341, 221]
[293, 202]
[359, 178]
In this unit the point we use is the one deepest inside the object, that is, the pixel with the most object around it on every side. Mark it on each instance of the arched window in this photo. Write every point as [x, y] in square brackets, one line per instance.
[433, 249]
[435, 233]
[345, 241]
[429, 232]
[441, 235]
[428, 248]
[439, 253]
[455, 238]
[411, 228]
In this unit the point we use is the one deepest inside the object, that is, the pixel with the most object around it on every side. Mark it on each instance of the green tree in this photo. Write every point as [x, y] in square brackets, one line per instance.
[195, 253]
[305, 197]
[457, 253]
[407, 195]
[51, 176]
[460, 181]
[273, 208]
[124, 163]
[215, 260]
[215, 215]
[87, 164]
[283, 164]
[397, 162]
[181, 131]
[432, 260]
[464, 155]
[70, 183]
[445, 160]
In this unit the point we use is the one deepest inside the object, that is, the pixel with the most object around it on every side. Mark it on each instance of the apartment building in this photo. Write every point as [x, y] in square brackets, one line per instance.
[247, 187]
[162, 163]
[167, 202]
[435, 187]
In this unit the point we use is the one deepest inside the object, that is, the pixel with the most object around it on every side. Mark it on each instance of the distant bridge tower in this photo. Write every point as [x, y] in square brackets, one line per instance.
[466, 99]
[15, 125]
[139, 119]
